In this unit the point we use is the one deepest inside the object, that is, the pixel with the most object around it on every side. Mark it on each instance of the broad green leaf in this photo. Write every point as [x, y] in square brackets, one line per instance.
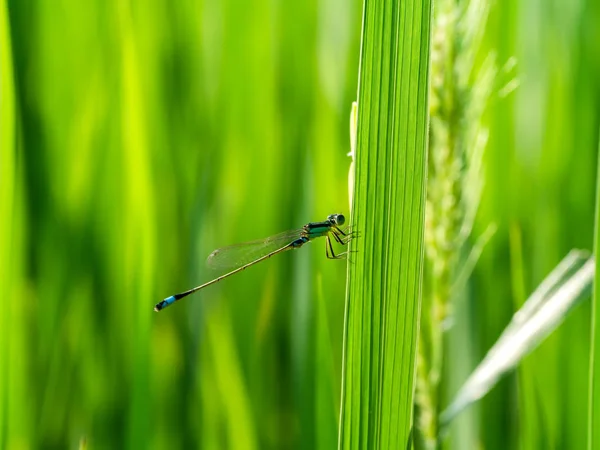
[385, 271]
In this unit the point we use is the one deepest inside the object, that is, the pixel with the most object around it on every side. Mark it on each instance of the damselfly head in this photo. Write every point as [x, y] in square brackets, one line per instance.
[337, 219]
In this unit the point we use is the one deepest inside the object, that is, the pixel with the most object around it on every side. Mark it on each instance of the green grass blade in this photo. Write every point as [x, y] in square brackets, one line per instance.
[385, 277]
[15, 400]
[560, 292]
[594, 393]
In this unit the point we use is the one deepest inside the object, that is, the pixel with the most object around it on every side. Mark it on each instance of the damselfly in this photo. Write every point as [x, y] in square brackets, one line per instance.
[245, 255]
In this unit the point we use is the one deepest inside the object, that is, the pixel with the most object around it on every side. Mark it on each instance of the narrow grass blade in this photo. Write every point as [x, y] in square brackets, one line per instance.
[15, 396]
[594, 392]
[385, 278]
[541, 314]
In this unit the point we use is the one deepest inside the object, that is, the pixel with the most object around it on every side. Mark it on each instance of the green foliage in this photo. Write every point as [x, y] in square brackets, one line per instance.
[543, 312]
[15, 408]
[385, 279]
[594, 396]
[140, 138]
[136, 137]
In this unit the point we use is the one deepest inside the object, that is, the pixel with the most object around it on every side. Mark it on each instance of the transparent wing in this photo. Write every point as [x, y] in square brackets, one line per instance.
[234, 256]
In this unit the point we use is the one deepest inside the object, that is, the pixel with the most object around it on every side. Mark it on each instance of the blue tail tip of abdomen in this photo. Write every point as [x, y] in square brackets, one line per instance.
[166, 302]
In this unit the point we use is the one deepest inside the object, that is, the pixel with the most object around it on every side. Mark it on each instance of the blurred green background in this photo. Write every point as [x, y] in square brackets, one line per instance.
[139, 136]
